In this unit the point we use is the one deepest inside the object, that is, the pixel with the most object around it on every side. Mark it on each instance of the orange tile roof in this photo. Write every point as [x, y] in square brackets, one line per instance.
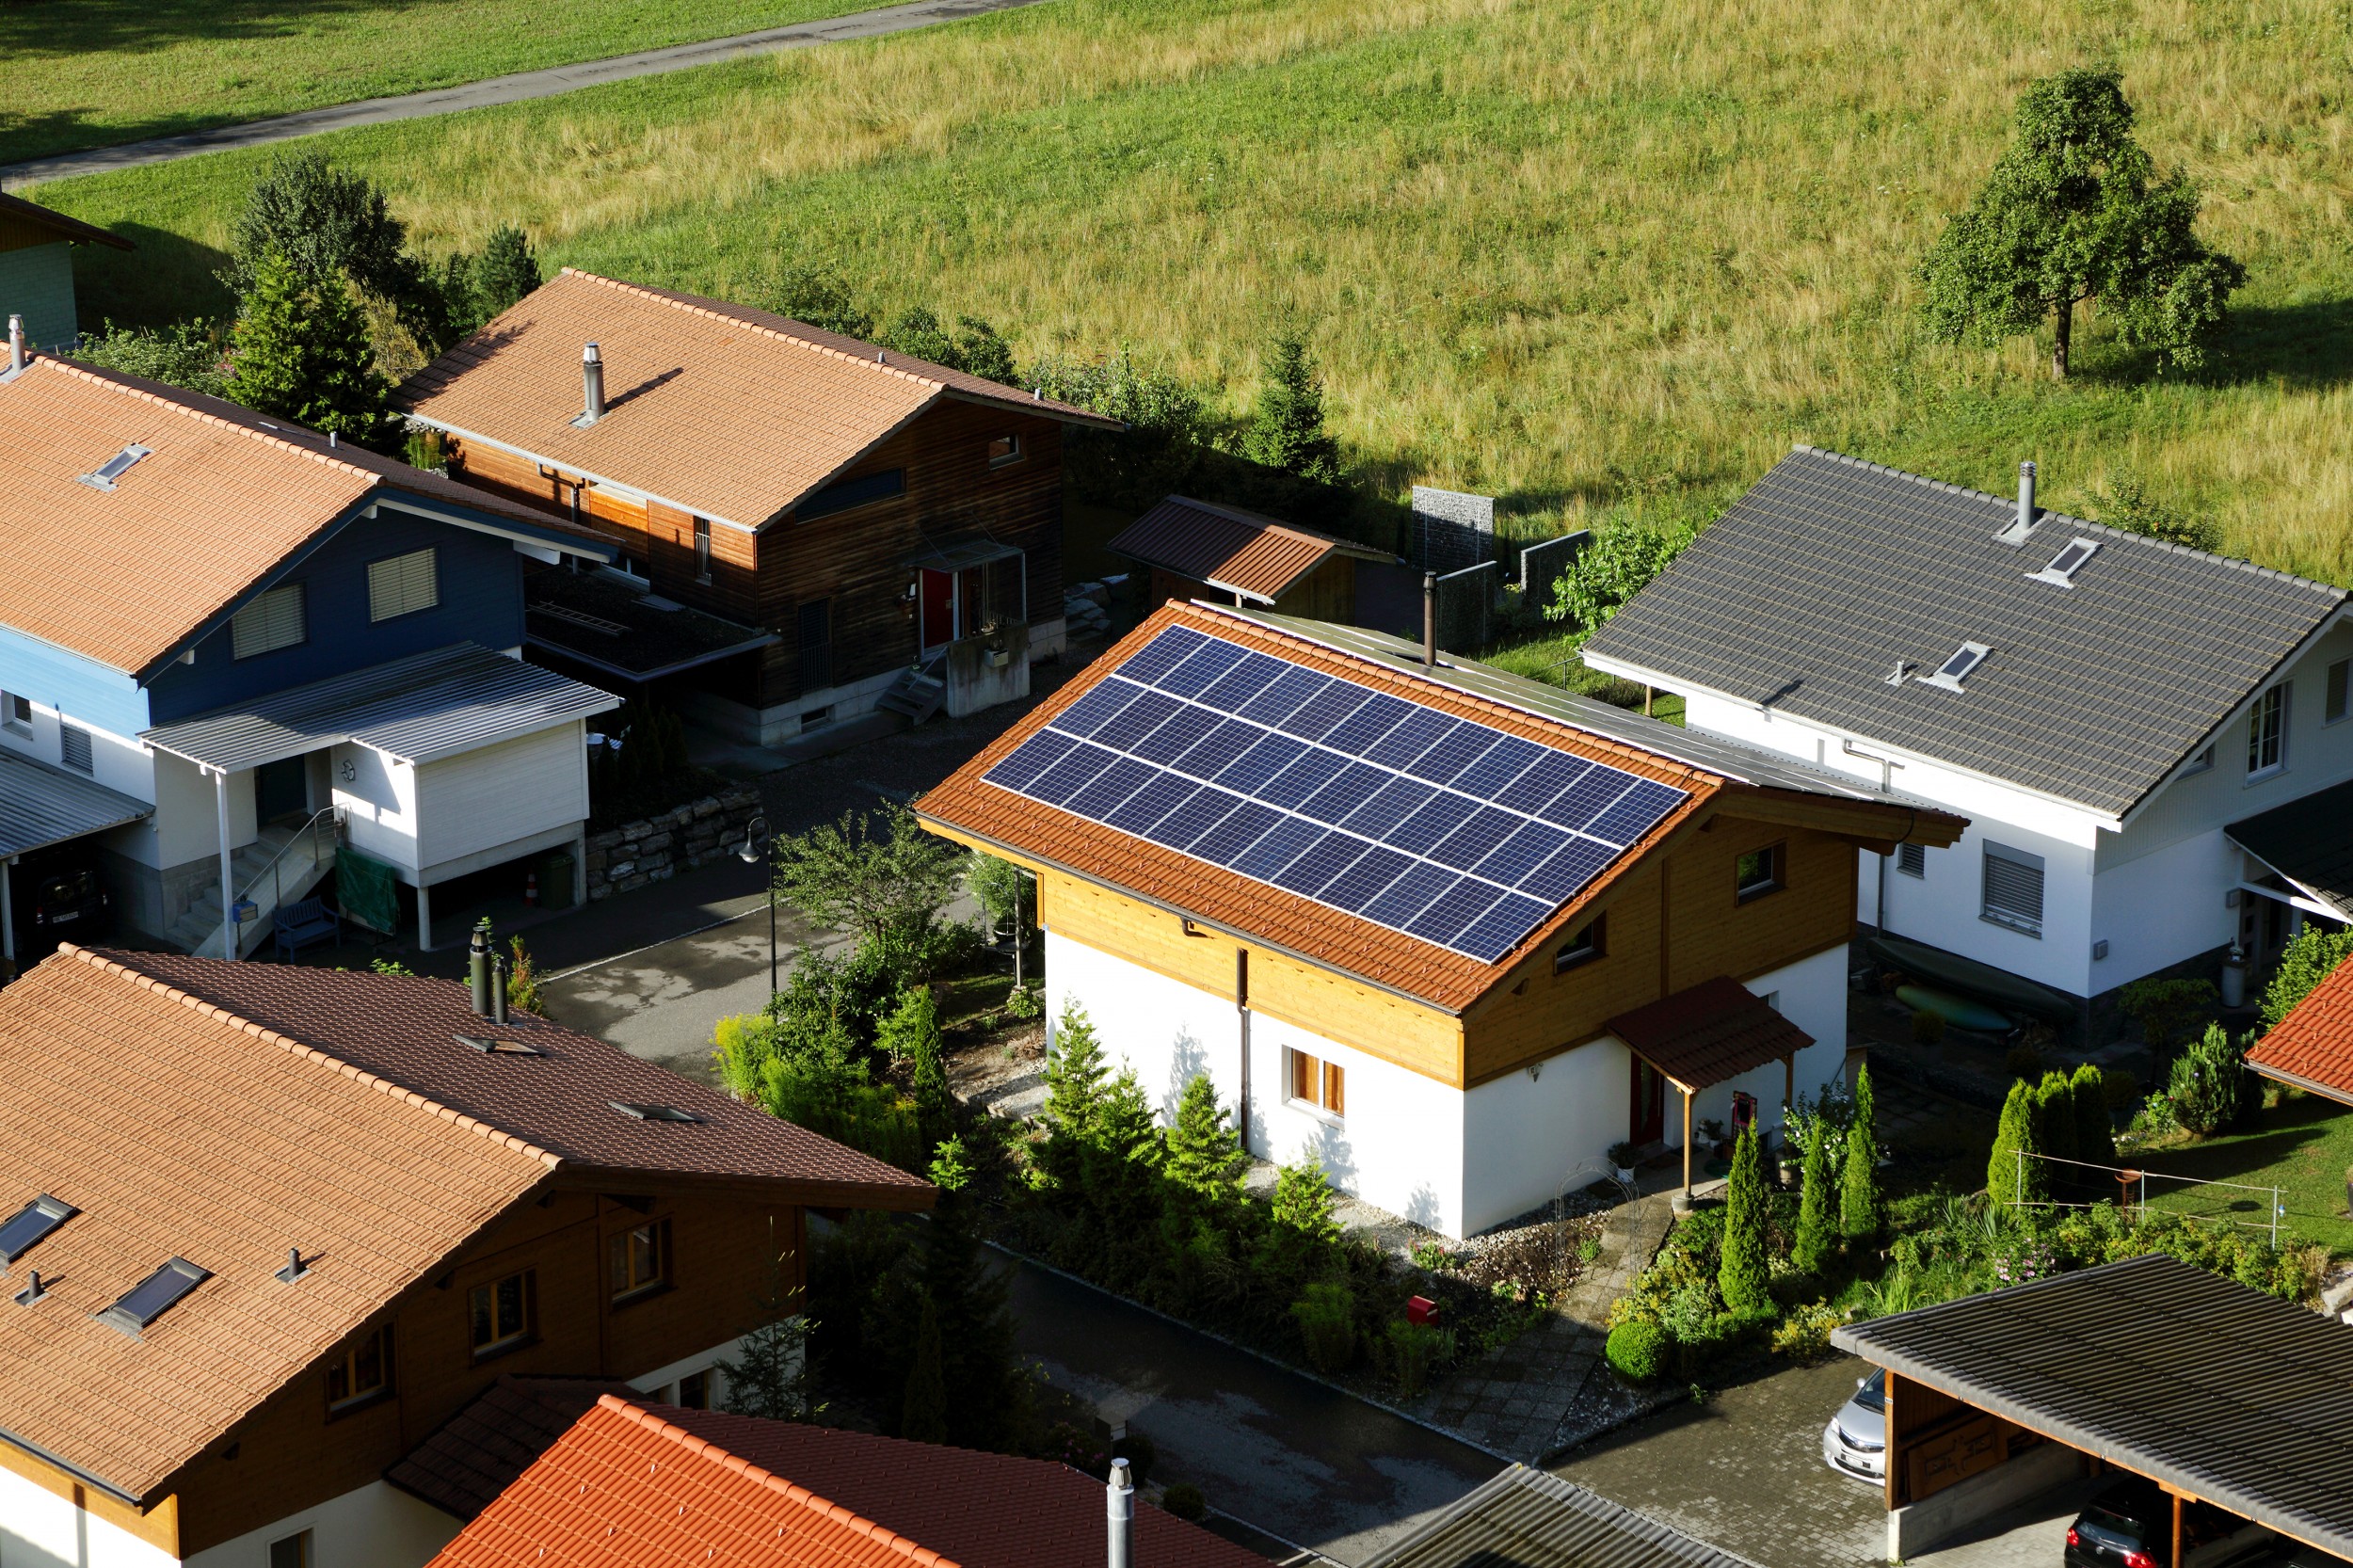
[1230, 549]
[968, 804]
[721, 410]
[127, 576]
[2312, 1046]
[637, 1487]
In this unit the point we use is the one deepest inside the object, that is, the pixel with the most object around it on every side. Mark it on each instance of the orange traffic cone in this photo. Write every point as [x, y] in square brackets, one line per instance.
[531, 888]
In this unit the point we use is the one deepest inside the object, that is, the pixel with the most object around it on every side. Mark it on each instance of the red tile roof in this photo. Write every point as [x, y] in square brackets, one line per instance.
[636, 1487]
[969, 806]
[1709, 1034]
[2313, 1047]
[225, 496]
[722, 409]
[1230, 549]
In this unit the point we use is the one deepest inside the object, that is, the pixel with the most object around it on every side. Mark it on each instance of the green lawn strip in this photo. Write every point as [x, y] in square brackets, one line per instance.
[2302, 1146]
[96, 73]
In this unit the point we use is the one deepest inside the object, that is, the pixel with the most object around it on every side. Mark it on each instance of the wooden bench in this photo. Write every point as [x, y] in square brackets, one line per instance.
[303, 923]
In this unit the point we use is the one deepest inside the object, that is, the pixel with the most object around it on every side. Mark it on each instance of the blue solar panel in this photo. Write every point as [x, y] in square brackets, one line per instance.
[1472, 825]
[1278, 847]
[1636, 813]
[1030, 759]
[1163, 653]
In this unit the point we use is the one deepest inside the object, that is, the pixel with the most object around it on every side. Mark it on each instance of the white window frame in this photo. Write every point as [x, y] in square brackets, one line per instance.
[2201, 762]
[10, 703]
[2272, 705]
[404, 585]
[264, 626]
[2010, 918]
[2337, 702]
[1293, 1056]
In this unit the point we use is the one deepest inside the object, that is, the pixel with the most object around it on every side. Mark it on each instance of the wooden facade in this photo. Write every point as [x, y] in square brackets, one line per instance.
[294, 1451]
[835, 588]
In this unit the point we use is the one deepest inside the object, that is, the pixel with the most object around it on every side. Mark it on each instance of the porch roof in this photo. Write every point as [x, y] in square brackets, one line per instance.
[1709, 1034]
[420, 708]
[959, 555]
[40, 806]
[2308, 842]
[615, 628]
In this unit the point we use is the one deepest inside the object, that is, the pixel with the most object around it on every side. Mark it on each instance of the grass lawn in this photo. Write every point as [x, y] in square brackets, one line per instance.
[93, 73]
[2302, 1146]
[1586, 258]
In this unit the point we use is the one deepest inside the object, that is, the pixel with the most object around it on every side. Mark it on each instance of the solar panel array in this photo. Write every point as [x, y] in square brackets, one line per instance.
[1445, 828]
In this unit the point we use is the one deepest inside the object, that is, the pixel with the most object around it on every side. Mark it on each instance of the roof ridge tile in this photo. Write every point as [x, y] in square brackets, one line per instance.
[325, 459]
[310, 1054]
[663, 296]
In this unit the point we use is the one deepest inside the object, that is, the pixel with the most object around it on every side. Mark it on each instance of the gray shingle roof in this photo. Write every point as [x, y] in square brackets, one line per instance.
[41, 805]
[2208, 1386]
[1525, 1518]
[1808, 590]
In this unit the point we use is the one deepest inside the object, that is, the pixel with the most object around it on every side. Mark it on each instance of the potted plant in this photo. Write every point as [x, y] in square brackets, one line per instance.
[1622, 1161]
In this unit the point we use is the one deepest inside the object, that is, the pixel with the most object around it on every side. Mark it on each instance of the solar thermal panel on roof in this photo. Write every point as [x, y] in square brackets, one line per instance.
[1446, 828]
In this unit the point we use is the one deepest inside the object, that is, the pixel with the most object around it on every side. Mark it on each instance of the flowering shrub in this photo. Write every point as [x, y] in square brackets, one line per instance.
[2031, 1260]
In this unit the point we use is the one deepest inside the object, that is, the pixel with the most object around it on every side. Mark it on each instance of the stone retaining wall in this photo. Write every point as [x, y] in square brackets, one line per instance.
[654, 848]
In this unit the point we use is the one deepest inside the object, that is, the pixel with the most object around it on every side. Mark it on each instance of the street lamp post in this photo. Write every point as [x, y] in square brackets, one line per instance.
[759, 844]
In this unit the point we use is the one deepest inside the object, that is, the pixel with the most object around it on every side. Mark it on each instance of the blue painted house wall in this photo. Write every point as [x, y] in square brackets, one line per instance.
[36, 282]
[81, 689]
[481, 600]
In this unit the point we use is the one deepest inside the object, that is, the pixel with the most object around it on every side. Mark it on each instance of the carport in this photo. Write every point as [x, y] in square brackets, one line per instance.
[2216, 1393]
[41, 806]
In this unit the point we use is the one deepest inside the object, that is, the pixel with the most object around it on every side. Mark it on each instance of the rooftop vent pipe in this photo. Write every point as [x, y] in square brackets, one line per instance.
[1430, 621]
[591, 387]
[16, 343]
[1119, 1508]
[2026, 497]
[478, 966]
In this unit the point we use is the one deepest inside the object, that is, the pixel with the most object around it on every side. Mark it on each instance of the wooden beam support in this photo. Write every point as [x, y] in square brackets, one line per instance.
[1686, 1144]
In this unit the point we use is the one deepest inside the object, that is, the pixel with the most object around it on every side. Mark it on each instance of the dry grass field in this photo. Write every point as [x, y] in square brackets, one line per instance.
[1590, 258]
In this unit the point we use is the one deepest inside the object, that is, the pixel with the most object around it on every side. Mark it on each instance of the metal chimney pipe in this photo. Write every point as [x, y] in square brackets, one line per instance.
[1430, 621]
[16, 343]
[1119, 1508]
[498, 987]
[2025, 496]
[592, 385]
[478, 966]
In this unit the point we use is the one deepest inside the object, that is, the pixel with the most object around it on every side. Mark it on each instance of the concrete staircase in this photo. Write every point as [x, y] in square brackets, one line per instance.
[915, 697]
[303, 860]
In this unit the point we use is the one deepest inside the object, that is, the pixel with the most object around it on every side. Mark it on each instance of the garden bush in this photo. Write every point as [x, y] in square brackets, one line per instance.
[2164, 1009]
[1184, 1499]
[1637, 1351]
[1415, 1351]
[2303, 964]
[2207, 1086]
[1326, 1315]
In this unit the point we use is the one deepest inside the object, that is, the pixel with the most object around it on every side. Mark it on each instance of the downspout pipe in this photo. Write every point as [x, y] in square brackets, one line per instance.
[1887, 767]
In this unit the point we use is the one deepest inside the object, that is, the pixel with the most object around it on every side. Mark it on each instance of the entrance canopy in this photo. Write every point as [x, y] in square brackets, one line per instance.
[40, 806]
[1709, 1034]
[2310, 843]
[419, 710]
[2214, 1391]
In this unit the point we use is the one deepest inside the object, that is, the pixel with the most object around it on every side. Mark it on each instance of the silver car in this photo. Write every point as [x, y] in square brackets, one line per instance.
[1856, 1442]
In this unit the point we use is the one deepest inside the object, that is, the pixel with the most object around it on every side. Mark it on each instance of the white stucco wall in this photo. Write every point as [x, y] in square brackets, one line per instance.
[1526, 1138]
[661, 1382]
[379, 800]
[376, 1526]
[41, 1529]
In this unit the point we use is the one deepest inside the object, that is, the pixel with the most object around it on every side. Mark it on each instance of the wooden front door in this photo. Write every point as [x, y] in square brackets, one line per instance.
[1647, 1124]
[938, 609]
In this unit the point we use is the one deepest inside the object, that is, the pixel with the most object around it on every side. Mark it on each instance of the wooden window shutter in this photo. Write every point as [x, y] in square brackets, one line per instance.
[1334, 1089]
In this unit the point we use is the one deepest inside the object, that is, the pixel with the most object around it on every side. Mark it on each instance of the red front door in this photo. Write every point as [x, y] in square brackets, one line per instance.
[1647, 1123]
[938, 610]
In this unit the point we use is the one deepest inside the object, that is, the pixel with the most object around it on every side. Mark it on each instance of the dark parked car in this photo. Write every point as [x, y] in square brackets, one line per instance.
[57, 902]
[2129, 1524]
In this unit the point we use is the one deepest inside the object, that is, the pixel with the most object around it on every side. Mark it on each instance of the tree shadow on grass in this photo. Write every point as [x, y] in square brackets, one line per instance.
[2307, 346]
[169, 278]
[49, 28]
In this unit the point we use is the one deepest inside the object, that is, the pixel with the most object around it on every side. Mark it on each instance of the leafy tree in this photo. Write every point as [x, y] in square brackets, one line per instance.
[2096, 1136]
[888, 885]
[1811, 1250]
[820, 298]
[924, 1414]
[2054, 1121]
[1858, 1184]
[974, 347]
[2125, 502]
[1619, 564]
[1744, 1275]
[1204, 1157]
[2303, 965]
[2010, 1179]
[1008, 896]
[769, 1376]
[1165, 438]
[330, 223]
[187, 354]
[2075, 211]
[1287, 426]
[302, 354]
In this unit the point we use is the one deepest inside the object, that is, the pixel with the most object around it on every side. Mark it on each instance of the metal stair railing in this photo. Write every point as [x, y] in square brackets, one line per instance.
[322, 834]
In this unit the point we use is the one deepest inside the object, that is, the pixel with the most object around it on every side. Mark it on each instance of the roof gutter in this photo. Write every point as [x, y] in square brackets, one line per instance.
[87, 1478]
[460, 516]
[2297, 1080]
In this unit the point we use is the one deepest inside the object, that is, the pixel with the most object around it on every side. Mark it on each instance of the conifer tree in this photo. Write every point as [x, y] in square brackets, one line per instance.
[2054, 1121]
[2010, 1178]
[302, 354]
[1299, 1229]
[2095, 1135]
[769, 1377]
[1073, 1112]
[968, 1302]
[1204, 1157]
[923, 1414]
[1743, 1275]
[505, 271]
[1858, 1184]
[1812, 1248]
[1286, 427]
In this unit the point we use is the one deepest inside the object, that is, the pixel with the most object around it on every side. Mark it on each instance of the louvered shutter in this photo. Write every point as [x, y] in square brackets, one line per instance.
[274, 620]
[402, 583]
[2013, 887]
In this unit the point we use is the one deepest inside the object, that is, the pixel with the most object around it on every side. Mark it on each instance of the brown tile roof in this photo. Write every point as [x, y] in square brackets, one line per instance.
[178, 1130]
[649, 1487]
[727, 411]
[1230, 549]
[2313, 1047]
[404, 1028]
[127, 576]
[1709, 1034]
[968, 804]
[71, 229]
[464, 1463]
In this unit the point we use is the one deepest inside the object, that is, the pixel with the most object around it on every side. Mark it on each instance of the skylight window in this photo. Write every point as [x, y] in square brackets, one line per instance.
[2061, 571]
[30, 1223]
[1958, 667]
[499, 1046]
[115, 466]
[654, 1112]
[151, 1297]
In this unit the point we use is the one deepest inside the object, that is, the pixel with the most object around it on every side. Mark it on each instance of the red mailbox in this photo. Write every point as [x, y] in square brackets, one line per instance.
[1422, 1310]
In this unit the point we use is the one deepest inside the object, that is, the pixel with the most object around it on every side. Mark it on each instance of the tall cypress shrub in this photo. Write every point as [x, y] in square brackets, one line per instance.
[2054, 1121]
[1743, 1275]
[1859, 1182]
[2010, 1178]
[1811, 1249]
[2095, 1135]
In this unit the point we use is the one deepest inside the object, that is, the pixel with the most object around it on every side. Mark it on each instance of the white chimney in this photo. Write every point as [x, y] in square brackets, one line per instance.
[592, 386]
[1119, 1507]
[2025, 496]
[16, 343]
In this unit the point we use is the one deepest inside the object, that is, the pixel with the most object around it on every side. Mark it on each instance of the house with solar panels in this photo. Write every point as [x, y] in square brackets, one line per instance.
[233, 650]
[2150, 740]
[1449, 933]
